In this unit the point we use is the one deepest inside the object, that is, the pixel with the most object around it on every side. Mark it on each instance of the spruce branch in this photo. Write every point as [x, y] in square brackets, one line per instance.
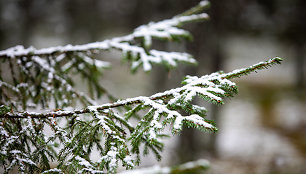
[40, 76]
[166, 29]
[192, 86]
[121, 138]
[45, 74]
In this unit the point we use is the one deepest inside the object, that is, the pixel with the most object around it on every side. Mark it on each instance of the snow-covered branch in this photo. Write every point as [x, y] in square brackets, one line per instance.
[166, 29]
[210, 87]
[56, 64]
[123, 139]
[117, 129]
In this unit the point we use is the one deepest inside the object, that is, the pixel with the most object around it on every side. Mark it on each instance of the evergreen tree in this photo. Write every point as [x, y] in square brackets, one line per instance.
[40, 78]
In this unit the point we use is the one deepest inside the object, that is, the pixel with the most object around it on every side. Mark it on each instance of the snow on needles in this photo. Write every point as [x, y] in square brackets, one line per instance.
[166, 29]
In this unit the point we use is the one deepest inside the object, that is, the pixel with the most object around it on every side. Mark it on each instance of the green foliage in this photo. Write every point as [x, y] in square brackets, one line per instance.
[115, 131]
[113, 136]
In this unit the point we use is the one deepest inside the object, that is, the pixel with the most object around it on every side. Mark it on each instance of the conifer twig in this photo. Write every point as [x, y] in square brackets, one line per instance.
[137, 100]
[20, 51]
[258, 66]
[43, 76]
[54, 65]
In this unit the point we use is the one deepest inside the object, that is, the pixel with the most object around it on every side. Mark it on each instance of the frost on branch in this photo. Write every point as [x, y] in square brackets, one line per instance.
[46, 73]
[115, 131]
[109, 131]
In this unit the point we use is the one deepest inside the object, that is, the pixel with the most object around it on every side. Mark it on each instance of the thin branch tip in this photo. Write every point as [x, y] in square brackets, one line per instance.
[277, 59]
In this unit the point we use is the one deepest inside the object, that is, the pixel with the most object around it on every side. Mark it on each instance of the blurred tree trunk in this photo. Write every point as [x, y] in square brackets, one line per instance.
[28, 22]
[300, 45]
[299, 66]
[209, 51]
[82, 20]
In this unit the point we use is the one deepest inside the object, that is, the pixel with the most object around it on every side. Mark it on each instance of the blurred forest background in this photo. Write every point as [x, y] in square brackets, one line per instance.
[262, 130]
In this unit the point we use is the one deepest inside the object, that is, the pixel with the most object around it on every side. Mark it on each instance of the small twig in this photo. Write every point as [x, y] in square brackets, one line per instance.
[258, 66]
[197, 9]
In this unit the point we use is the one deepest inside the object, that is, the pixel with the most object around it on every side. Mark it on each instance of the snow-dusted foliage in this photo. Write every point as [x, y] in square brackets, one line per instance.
[114, 131]
[110, 131]
[45, 72]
